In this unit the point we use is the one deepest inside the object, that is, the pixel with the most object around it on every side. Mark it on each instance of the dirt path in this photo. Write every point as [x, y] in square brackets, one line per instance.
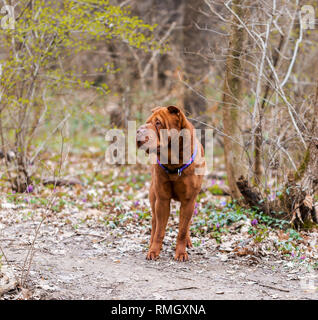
[90, 263]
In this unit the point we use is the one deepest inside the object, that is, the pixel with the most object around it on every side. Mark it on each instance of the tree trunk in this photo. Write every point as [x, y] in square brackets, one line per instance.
[303, 184]
[195, 67]
[233, 150]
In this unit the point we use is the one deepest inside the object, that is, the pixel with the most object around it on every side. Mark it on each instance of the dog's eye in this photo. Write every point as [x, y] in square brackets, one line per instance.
[158, 123]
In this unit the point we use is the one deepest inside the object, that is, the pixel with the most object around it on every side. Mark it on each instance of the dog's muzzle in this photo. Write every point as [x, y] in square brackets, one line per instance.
[142, 136]
[146, 138]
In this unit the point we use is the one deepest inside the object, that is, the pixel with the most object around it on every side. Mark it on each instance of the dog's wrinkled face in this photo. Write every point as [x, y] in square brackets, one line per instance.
[160, 128]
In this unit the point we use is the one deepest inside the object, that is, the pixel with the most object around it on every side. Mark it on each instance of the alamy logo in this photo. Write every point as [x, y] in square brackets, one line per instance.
[309, 282]
[8, 21]
[307, 17]
[144, 147]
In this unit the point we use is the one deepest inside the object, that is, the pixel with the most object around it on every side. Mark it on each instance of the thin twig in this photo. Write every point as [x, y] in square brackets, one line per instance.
[179, 289]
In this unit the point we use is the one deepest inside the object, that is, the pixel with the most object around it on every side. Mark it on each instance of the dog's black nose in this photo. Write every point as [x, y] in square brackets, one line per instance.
[141, 132]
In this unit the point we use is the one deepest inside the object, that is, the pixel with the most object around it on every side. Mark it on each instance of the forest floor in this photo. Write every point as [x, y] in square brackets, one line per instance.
[92, 244]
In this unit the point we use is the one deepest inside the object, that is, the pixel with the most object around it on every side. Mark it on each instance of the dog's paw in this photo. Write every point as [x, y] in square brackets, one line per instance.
[151, 255]
[181, 256]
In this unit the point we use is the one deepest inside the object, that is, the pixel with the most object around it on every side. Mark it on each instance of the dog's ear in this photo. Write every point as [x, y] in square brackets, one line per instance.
[182, 117]
[174, 109]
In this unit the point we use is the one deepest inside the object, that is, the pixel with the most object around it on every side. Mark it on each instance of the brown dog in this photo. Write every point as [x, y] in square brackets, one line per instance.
[177, 174]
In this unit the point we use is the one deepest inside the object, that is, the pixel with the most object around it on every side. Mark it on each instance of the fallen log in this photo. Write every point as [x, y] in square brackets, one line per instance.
[295, 205]
[57, 182]
[62, 181]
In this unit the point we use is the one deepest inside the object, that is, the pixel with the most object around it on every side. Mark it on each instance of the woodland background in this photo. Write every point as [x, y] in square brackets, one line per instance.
[71, 70]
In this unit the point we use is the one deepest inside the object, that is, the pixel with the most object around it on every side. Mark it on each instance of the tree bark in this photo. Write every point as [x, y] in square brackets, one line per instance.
[233, 150]
[194, 44]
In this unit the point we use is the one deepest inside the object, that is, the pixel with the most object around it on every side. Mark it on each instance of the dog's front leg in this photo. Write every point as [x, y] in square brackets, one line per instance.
[183, 240]
[162, 210]
[152, 199]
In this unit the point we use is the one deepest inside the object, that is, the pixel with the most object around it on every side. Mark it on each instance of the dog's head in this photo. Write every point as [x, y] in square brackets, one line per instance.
[161, 128]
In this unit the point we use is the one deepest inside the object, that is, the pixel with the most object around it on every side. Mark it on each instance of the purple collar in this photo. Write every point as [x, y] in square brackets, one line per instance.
[179, 170]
